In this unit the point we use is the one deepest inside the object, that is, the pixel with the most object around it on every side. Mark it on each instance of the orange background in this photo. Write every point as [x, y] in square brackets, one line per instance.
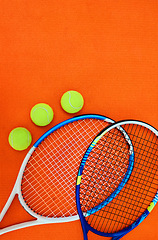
[106, 50]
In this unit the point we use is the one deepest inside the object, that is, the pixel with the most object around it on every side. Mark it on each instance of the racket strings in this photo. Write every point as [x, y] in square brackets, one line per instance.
[42, 178]
[104, 143]
[109, 165]
[48, 184]
[140, 189]
[47, 190]
[131, 213]
[60, 138]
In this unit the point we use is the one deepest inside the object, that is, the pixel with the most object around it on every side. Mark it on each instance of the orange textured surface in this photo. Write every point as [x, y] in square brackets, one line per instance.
[106, 50]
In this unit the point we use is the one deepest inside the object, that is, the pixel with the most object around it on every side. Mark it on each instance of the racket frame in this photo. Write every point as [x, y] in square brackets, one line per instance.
[85, 226]
[17, 187]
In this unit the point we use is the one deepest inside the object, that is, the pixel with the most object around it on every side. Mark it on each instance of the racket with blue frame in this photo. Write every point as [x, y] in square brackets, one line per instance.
[113, 196]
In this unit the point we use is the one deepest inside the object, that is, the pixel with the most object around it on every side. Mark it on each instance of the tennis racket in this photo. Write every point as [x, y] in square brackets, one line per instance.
[105, 166]
[46, 182]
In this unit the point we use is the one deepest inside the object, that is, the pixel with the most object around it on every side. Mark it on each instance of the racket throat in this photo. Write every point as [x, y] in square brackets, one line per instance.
[85, 229]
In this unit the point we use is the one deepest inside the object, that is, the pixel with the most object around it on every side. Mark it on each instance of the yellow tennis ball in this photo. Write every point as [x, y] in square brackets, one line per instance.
[20, 138]
[72, 101]
[41, 114]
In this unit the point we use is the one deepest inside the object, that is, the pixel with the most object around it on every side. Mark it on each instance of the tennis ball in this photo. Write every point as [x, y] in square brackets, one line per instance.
[72, 101]
[20, 138]
[41, 114]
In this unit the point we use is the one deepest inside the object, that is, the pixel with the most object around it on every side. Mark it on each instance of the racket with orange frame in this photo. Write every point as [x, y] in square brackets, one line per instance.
[46, 182]
[104, 168]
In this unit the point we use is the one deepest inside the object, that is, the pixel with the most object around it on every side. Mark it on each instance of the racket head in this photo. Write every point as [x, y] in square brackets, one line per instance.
[47, 178]
[138, 196]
